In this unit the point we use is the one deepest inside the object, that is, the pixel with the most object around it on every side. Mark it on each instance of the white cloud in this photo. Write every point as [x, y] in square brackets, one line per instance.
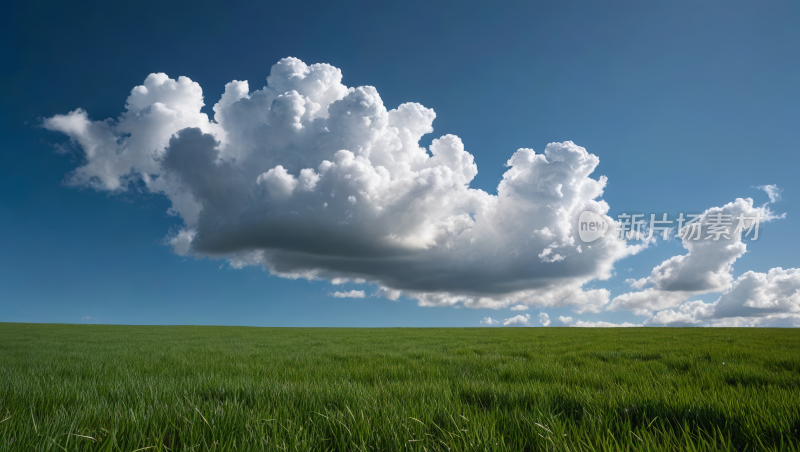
[280, 184]
[518, 320]
[519, 307]
[754, 299]
[489, 321]
[691, 312]
[350, 294]
[772, 191]
[313, 179]
[706, 267]
[636, 283]
[544, 319]
[762, 296]
[601, 324]
[770, 320]
[565, 320]
[182, 241]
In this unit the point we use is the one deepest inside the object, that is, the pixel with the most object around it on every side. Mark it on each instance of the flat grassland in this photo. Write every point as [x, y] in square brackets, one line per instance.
[127, 388]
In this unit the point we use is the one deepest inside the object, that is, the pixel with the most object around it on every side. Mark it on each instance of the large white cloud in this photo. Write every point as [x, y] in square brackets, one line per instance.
[313, 179]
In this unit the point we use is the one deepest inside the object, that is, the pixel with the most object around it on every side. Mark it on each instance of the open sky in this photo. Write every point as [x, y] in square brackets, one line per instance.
[406, 164]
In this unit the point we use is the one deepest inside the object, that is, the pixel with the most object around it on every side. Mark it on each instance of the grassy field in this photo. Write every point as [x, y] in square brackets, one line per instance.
[126, 388]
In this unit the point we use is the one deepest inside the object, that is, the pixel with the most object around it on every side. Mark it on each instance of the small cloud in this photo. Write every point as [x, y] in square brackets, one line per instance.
[489, 321]
[519, 320]
[340, 281]
[544, 319]
[350, 294]
[601, 324]
[772, 191]
[565, 320]
[519, 307]
[636, 283]
[390, 294]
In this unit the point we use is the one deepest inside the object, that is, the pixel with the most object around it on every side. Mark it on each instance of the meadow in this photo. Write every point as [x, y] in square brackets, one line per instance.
[186, 388]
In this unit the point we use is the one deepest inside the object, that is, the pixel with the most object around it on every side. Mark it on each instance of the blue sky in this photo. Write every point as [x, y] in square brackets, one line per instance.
[687, 105]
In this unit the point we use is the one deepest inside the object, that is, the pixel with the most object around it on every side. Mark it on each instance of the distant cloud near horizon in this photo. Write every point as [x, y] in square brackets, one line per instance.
[518, 320]
[706, 267]
[753, 299]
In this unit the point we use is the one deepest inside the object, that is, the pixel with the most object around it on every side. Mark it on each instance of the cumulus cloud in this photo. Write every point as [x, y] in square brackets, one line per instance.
[691, 312]
[565, 320]
[759, 294]
[312, 179]
[770, 320]
[754, 299]
[518, 320]
[349, 294]
[519, 307]
[544, 319]
[489, 321]
[713, 245]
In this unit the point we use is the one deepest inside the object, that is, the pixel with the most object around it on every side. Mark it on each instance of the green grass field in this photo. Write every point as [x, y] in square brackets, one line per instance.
[126, 388]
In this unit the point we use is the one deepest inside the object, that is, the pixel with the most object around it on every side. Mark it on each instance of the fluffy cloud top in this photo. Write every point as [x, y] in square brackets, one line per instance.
[313, 179]
[489, 321]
